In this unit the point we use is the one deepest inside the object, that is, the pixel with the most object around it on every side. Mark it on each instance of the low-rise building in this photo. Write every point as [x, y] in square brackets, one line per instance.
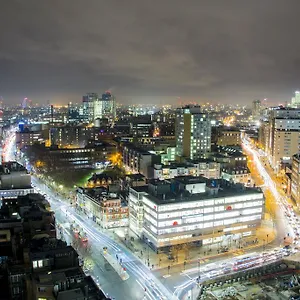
[56, 273]
[237, 175]
[231, 157]
[106, 209]
[34, 210]
[28, 137]
[137, 160]
[205, 168]
[11, 232]
[194, 210]
[229, 137]
[71, 136]
[15, 180]
[55, 158]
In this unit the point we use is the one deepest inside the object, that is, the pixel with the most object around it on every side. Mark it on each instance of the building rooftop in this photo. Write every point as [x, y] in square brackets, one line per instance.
[190, 179]
[39, 247]
[137, 149]
[11, 166]
[100, 193]
[103, 176]
[140, 189]
[200, 160]
[136, 177]
[236, 170]
[223, 189]
[85, 289]
[229, 129]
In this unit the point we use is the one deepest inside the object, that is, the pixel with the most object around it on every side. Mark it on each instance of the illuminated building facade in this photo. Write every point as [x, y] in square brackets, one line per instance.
[208, 169]
[256, 109]
[88, 106]
[137, 160]
[105, 107]
[71, 136]
[229, 137]
[106, 209]
[194, 210]
[295, 179]
[283, 136]
[193, 133]
[295, 101]
[237, 175]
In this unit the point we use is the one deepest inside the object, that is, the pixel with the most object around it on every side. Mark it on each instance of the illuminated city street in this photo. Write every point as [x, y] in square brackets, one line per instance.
[158, 285]
[149, 150]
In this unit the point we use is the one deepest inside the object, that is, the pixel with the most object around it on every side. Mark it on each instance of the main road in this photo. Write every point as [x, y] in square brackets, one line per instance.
[142, 282]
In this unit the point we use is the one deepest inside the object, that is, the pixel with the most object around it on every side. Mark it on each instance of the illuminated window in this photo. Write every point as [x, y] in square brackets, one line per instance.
[34, 264]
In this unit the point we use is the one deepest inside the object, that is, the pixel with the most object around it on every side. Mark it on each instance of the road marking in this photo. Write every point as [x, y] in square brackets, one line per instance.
[166, 276]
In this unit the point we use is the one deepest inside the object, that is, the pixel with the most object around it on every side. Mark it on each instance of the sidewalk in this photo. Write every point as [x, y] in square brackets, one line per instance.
[264, 235]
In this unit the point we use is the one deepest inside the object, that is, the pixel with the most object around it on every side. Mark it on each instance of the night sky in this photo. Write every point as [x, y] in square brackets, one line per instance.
[150, 51]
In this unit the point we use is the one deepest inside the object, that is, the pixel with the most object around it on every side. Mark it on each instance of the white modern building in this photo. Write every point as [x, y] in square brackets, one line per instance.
[194, 210]
[193, 133]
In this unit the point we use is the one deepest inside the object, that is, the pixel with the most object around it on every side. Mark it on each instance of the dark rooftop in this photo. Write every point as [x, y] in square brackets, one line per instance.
[136, 177]
[99, 193]
[137, 149]
[11, 166]
[236, 170]
[225, 189]
[140, 189]
[39, 246]
[190, 179]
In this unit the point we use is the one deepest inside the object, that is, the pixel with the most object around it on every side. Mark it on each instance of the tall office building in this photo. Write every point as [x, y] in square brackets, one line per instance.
[88, 101]
[193, 133]
[295, 101]
[256, 109]
[295, 179]
[283, 136]
[105, 107]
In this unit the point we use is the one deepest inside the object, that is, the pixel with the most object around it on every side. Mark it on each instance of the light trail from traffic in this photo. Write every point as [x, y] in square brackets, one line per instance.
[152, 288]
[144, 282]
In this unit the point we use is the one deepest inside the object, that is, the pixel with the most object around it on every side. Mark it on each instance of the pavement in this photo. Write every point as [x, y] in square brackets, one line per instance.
[265, 235]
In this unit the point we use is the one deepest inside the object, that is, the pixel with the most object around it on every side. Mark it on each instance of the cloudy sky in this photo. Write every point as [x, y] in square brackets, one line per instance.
[229, 51]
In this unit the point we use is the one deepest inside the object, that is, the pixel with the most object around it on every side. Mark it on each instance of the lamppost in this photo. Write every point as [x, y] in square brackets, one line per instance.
[267, 238]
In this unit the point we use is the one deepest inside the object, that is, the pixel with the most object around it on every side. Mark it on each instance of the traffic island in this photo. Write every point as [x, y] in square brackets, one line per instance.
[117, 266]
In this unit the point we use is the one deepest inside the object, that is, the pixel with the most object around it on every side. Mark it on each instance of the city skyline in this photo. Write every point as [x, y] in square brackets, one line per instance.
[147, 53]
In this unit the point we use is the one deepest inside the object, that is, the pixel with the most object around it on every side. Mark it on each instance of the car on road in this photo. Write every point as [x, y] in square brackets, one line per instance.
[215, 273]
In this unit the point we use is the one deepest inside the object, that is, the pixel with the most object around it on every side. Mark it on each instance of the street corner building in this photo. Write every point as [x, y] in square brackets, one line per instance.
[194, 210]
